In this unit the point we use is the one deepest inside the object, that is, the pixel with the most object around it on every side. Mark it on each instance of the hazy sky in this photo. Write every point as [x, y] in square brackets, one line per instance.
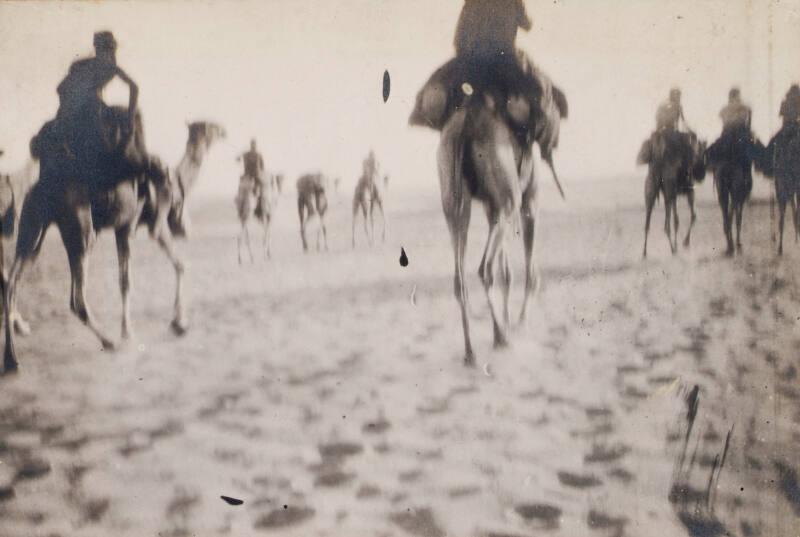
[304, 76]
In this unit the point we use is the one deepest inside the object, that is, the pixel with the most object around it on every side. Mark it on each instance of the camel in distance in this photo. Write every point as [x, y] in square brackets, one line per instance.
[312, 200]
[369, 194]
[671, 169]
[258, 200]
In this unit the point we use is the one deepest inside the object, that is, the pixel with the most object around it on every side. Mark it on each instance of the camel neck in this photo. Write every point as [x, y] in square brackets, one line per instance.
[195, 153]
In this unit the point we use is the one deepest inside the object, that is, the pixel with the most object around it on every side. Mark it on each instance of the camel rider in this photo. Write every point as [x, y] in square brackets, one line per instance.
[669, 116]
[253, 166]
[486, 55]
[790, 107]
[736, 139]
[370, 165]
[86, 124]
[735, 115]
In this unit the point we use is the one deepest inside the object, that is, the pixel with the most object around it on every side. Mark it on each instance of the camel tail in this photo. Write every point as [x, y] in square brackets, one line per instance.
[549, 161]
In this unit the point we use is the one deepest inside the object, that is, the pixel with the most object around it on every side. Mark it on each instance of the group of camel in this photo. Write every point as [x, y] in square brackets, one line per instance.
[779, 160]
[479, 157]
[258, 200]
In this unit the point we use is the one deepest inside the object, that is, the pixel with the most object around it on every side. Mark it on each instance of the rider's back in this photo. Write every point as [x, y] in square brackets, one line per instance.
[488, 28]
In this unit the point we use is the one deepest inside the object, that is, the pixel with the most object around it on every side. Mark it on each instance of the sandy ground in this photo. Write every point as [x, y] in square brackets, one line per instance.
[326, 391]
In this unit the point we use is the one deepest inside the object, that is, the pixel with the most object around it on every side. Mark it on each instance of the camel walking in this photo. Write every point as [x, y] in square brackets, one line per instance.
[781, 161]
[67, 201]
[733, 181]
[312, 200]
[480, 158]
[672, 168]
[368, 195]
[266, 197]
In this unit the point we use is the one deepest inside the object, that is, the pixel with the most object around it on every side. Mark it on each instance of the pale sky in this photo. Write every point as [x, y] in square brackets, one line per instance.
[304, 76]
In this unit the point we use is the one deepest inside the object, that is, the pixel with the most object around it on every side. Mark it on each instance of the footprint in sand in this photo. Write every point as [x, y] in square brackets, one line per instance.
[284, 517]
[578, 481]
[606, 454]
[622, 475]
[329, 472]
[378, 426]
[421, 522]
[540, 515]
[339, 450]
[333, 477]
[601, 521]
[366, 492]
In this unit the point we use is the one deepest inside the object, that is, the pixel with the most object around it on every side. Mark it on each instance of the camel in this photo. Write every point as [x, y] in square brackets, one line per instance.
[480, 158]
[667, 162]
[369, 194]
[266, 197]
[781, 161]
[733, 184]
[311, 200]
[67, 201]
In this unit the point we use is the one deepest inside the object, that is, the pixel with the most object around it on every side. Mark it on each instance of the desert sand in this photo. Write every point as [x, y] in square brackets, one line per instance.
[326, 390]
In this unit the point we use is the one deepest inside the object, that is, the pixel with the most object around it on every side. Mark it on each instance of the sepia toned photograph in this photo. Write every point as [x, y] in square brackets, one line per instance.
[400, 268]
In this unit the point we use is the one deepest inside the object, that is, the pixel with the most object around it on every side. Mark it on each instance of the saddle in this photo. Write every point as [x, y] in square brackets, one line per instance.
[533, 107]
[102, 152]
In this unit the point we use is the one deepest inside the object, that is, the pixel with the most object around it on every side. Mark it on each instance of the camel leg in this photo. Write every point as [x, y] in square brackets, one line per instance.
[32, 228]
[690, 200]
[668, 202]
[724, 203]
[372, 222]
[494, 247]
[246, 233]
[649, 201]
[506, 279]
[324, 230]
[739, 208]
[781, 216]
[383, 220]
[123, 236]
[458, 217]
[239, 239]
[179, 323]
[676, 222]
[302, 212]
[77, 238]
[366, 228]
[528, 211]
[353, 227]
[267, 237]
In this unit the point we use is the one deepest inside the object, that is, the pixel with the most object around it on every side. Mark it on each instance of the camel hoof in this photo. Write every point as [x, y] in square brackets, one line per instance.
[108, 345]
[686, 243]
[21, 327]
[179, 328]
[501, 342]
[469, 359]
[10, 369]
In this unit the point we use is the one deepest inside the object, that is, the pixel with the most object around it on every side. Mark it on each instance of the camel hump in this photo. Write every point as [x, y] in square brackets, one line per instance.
[311, 181]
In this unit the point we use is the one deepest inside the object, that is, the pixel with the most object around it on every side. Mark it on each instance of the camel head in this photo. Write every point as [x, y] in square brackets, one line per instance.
[204, 133]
